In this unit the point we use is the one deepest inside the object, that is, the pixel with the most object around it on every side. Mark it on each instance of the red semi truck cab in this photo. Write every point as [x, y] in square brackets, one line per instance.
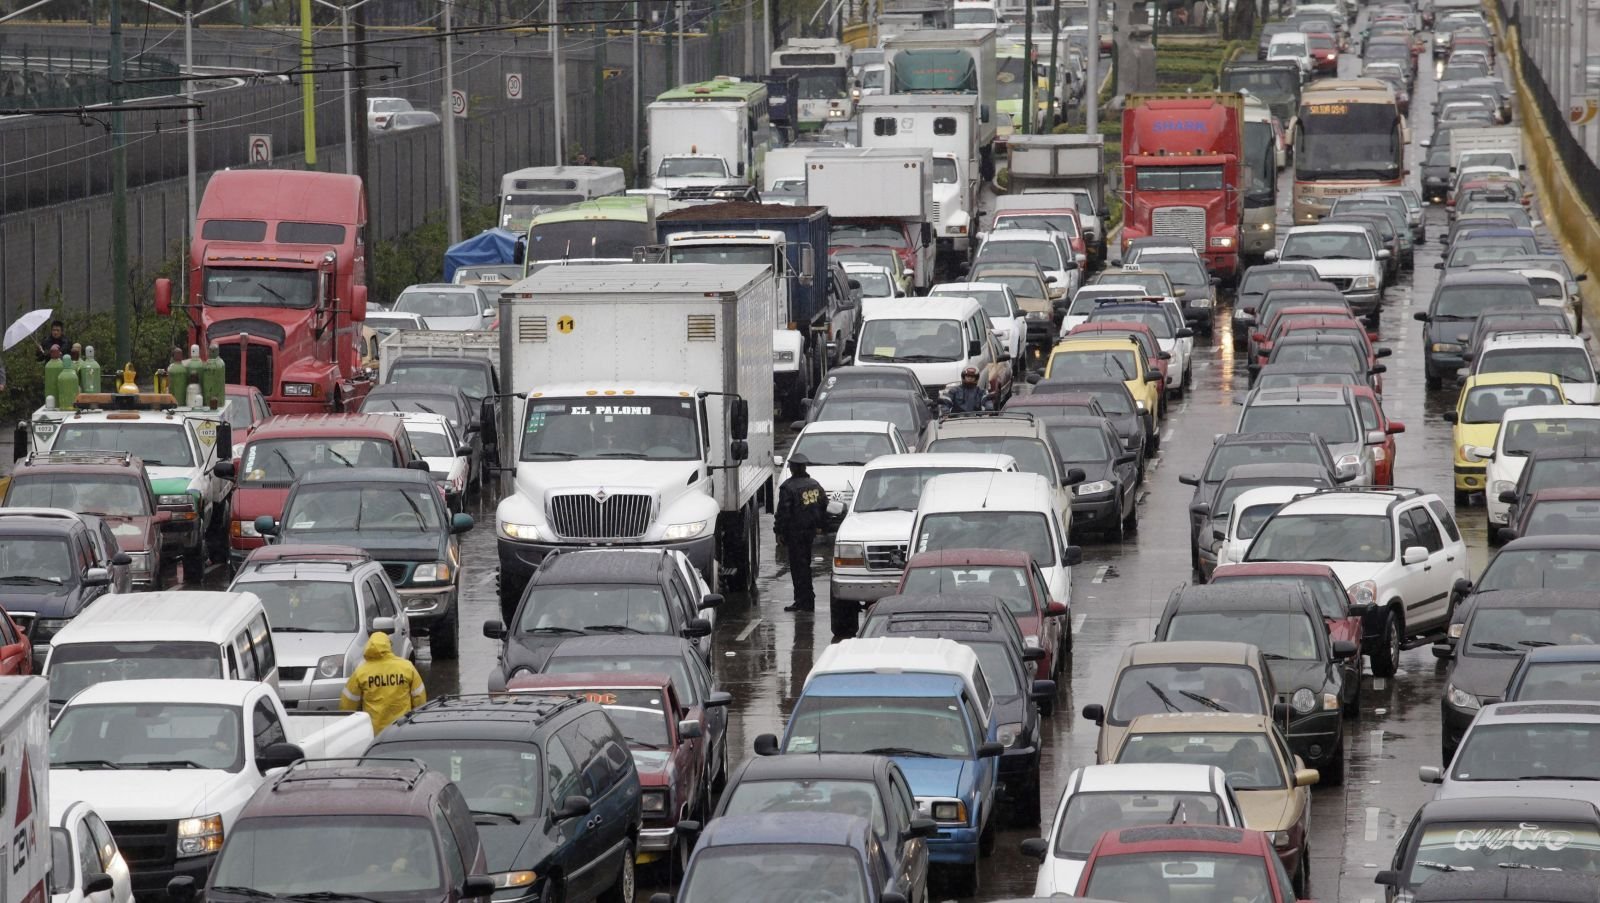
[276, 279]
[1181, 173]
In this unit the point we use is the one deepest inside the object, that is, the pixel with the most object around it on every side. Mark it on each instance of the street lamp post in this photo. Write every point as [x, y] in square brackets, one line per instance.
[349, 64]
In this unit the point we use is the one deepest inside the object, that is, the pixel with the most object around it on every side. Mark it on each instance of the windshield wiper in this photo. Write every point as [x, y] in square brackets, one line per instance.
[30, 578]
[1495, 647]
[271, 291]
[620, 454]
[168, 763]
[611, 628]
[331, 895]
[551, 454]
[1162, 695]
[302, 630]
[346, 461]
[1524, 865]
[87, 763]
[561, 630]
[634, 741]
[287, 466]
[1536, 643]
[242, 891]
[422, 526]
[1274, 657]
[900, 751]
[494, 813]
[1442, 866]
[1206, 701]
[921, 359]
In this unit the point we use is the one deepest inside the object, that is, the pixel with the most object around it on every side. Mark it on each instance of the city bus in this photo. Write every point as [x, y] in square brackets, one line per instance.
[1258, 234]
[821, 69]
[604, 230]
[1349, 136]
[525, 193]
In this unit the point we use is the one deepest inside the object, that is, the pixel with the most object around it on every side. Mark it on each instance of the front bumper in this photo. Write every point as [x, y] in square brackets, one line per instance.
[178, 537]
[426, 605]
[1316, 737]
[518, 560]
[1017, 767]
[1456, 721]
[954, 846]
[1099, 513]
[1364, 303]
[657, 840]
[1444, 364]
[852, 588]
[311, 693]
[1469, 477]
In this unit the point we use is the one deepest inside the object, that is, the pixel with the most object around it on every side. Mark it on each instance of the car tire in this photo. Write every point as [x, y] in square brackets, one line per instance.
[624, 888]
[1332, 774]
[1463, 498]
[1351, 708]
[552, 892]
[1118, 531]
[1130, 516]
[1026, 810]
[444, 640]
[1386, 655]
[1301, 879]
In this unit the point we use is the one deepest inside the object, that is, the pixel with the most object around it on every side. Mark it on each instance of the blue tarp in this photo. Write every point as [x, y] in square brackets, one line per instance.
[490, 246]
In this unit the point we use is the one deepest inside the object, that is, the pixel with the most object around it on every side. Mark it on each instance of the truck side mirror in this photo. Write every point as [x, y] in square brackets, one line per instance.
[278, 755]
[225, 442]
[358, 303]
[519, 255]
[164, 308]
[808, 264]
[983, 113]
[739, 419]
[738, 450]
[927, 234]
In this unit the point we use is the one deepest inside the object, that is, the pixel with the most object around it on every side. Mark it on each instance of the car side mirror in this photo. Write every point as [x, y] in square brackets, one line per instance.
[1258, 337]
[1073, 555]
[1164, 355]
[477, 886]
[922, 827]
[1430, 774]
[1377, 437]
[1036, 848]
[1056, 610]
[1074, 476]
[1345, 649]
[1378, 370]
[121, 559]
[1033, 654]
[1127, 458]
[696, 628]
[1413, 555]
[990, 749]
[98, 882]
[690, 730]
[461, 523]
[573, 806]
[224, 469]
[1451, 417]
[1420, 316]
[1506, 534]
[1042, 690]
[383, 625]
[711, 600]
[1509, 497]
[1188, 479]
[1200, 509]
[266, 525]
[1095, 712]
[766, 745]
[1395, 428]
[180, 888]
[494, 630]
[1152, 375]
[1382, 351]
[1462, 586]
[718, 699]
[96, 577]
[417, 464]
[278, 755]
[1344, 473]
[1184, 333]
[463, 451]
[1270, 255]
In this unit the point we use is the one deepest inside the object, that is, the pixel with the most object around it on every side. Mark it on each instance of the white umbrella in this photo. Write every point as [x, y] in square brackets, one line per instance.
[24, 326]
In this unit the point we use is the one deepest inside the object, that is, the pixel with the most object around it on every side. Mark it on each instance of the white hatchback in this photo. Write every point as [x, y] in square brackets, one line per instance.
[1524, 431]
[85, 864]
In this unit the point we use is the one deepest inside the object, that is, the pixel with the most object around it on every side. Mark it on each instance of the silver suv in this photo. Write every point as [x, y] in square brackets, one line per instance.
[1329, 412]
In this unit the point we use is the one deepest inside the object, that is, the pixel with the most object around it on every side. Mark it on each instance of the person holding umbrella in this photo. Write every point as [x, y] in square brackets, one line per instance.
[57, 339]
[24, 326]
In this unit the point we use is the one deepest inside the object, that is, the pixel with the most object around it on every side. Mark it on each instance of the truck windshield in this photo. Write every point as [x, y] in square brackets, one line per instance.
[945, 171]
[158, 444]
[817, 84]
[556, 609]
[278, 462]
[1012, 77]
[80, 492]
[1259, 164]
[1018, 531]
[911, 341]
[307, 606]
[375, 507]
[377, 856]
[518, 210]
[927, 726]
[604, 239]
[763, 872]
[497, 777]
[757, 255]
[241, 287]
[155, 735]
[471, 379]
[897, 488]
[1178, 178]
[696, 167]
[1347, 141]
[78, 666]
[657, 429]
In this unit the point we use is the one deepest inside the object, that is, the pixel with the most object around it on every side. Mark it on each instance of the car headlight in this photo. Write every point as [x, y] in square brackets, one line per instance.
[783, 357]
[1222, 241]
[1363, 593]
[1501, 486]
[199, 836]
[1364, 282]
[1140, 405]
[139, 561]
[676, 532]
[433, 572]
[171, 501]
[514, 879]
[1278, 838]
[1200, 302]
[948, 811]
[1009, 734]
[297, 390]
[1456, 629]
[653, 801]
[246, 528]
[1461, 699]
[512, 530]
[849, 555]
[1031, 641]
[1266, 227]
[330, 666]
[1038, 315]
[1348, 461]
[1446, 347]
[1098, 487]
[1303, 701]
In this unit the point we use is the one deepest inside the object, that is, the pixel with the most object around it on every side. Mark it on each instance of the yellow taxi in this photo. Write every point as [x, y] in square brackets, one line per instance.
[1095, 358]
[1483, 399]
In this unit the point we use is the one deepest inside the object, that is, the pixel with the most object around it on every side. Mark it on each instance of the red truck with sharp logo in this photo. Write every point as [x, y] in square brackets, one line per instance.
[1181, 173]
[276, 279]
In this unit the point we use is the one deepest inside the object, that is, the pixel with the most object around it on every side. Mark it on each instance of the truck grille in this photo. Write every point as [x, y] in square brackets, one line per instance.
[1187, 223]
[399, 572]
[146, 845]
[257, 366]
[886, 556]
[936, 217]
[1342, 283]
[582, 516]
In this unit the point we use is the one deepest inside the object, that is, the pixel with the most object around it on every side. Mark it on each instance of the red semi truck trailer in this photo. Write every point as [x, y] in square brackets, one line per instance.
[1181, 173]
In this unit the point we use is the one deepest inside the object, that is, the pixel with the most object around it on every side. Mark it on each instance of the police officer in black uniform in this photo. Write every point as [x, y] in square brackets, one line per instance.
[802, 508]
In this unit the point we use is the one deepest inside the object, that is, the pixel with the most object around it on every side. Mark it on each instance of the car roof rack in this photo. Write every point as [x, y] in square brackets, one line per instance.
[989, 415]
[406, 771]
[125, 458]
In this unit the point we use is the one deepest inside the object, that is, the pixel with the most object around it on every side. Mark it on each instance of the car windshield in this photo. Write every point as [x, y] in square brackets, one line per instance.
[1088, 815]
[775, 874]
[1023, 286]
[1485, 404]
[1493, 632]
[714, 167]
[913, 341]
[618, 607]
[1570, 365]
[1324, 537]
[1268, 379]
[279, 462]
[80, 492]
[897, 488]
[842, 449]
[306, 606]
[1234, 454]
[1186, 687]
[1010, 584]
[1032, 455]
[672, 666]
[1567, 569]
[802, 795]
[155, 735]
[1485, 846]
[993, 301]
[1188, 876]
[1559, 680]
[1480, 251]
[158, 444]
[1064, 223]
[430, 443]
[382, 856]
[473, 381]
[25, 561]
[426, 303]
[1246, 759]
[78, 666]
[1561, 516]
[1182, 271]
[1335, 423]
[496, 777]
[1120, 364]
[1018, 531]
[927, 726]
[1151, 283]
[1529, 751]
[1044, 253]
[383, 508]
[1325, 246]
[656, 429]
[874, 283]
[1342, 355]
[1150, 315]
[1280, 634]
[1082, 444]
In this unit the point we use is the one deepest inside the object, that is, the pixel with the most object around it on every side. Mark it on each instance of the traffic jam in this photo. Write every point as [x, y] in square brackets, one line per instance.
[892, 500]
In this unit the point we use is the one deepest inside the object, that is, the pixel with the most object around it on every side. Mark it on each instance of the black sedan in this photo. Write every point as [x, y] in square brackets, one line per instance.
[1105, 500]
[907, 410]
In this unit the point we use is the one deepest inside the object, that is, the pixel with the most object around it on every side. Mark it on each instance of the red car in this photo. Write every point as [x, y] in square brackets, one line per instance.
[1374, 420]
[1556, 512]
[1261, 340]
[247, 409]
[1324, 50]
[1191, 861]
[1345, 619]
[16, 651]
[1015, 578]
[670, 754]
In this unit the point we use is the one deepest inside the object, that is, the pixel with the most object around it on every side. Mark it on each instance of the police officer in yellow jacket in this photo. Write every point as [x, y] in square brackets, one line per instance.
[385, 686]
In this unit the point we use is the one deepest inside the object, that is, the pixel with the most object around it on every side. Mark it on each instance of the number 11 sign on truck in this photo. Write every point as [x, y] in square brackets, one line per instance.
[1180, 173]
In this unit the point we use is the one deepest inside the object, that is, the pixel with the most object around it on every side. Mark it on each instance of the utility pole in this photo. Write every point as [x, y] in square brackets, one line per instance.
[598, 116]
[188, 95]
[1091, 73]
[1055, 49]
[452, 199]
[766, 36]
[633, 145]
[558, 81]
[122, 311]
[308, 87]
[683, 47]
[361, 115]
[1026, 125]
[749, 37]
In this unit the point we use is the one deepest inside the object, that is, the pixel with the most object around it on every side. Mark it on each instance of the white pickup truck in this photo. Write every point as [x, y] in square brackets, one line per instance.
[169, 763]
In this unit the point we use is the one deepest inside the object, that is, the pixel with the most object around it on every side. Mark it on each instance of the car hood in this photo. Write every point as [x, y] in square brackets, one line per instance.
[1292, 675]
[141, 794]
[1581, 393]
[876, 526]
[531, 652]
[1267, 810]
[1353, 572]
[1484, 676]
[134, 534]
[654, 766]
[452, 324]
[1342, 268]
[1482, 434]
[44, 601]
[165, 480]
[508, 846]
[382, 546]
[937, 777]
[306, 649]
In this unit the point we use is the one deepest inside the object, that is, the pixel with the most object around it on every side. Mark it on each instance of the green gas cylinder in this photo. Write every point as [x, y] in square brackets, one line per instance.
[66, 384]
[214, 378]
[89, 372]
[52, 372]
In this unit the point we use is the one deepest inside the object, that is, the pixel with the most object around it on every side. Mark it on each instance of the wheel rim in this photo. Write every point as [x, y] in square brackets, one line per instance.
[626, 880]
[1394, 642]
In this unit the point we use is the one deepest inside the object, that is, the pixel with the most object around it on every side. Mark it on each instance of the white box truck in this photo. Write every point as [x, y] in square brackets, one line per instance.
[702, 144]
[871, 191]
[948, 126]
[643, 416]
[25, 769]
[949, 61]
[1064, 163]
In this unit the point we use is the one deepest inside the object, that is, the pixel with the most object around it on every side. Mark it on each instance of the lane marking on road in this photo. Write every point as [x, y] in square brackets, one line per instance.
[1378, 683]
[1100, 573]
[1166, 434]
[1375, 748]
[748, 629]
[1372, 823]
[1077, 622]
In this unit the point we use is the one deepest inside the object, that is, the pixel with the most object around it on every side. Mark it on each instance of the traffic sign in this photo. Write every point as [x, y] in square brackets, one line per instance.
[1583, 111]
[458, 104]
[513, 86]
[260, 148]
[565, 324]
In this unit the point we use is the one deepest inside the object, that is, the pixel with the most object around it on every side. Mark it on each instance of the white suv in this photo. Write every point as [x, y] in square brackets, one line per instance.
[1343, 254]
[1524, 431]
[1397, 551]
[1565, 356]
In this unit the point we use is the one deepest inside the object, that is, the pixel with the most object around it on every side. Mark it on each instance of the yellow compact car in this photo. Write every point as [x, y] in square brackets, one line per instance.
[1483, 399]
[1094, 358]
[1273, 785]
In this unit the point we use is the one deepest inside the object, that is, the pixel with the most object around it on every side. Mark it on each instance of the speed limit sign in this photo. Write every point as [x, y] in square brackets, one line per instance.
[513, 86]
[458, 104]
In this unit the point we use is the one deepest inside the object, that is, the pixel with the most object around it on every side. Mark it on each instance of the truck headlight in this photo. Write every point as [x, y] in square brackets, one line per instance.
[1461, 699]
[1222, 241]
[199, 836]
[1446, 347]
[1303, 701]
[330, 666]
[176, 500]
[1364, 282]
[1098, 487]
[432, 572]
[510, 530]
[245, 528]
[138, 562]
[1200, 302]
[948, 811]
[1009, 734]
[1456, 629]
[1363, 593]
[653, 801]
[1038, 315]
[849, 555]
[1267, 227]
[1501, 486]
[297, 390]
[514, 879]
[783, 357]
[684, 531]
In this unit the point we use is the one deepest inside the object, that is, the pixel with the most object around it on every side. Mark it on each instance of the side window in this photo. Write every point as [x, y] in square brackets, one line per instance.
[233, 663]
[901, 804]
[561, 776]
[1408, 533]
[265, 726]
[680, 594]
[369, 601]
[85, 549]
[1281, 878]
[1369, 413]
[102, 841]
[88, 856]
[1445, 520]
[700, 682]
[247, 659]
[1426, 531]
[885, 125]
[583, 741]
[453, 864]
[980, 726]
[261, 642]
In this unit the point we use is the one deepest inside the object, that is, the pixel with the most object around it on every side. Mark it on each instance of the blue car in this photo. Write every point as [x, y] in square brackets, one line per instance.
[783, 855]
